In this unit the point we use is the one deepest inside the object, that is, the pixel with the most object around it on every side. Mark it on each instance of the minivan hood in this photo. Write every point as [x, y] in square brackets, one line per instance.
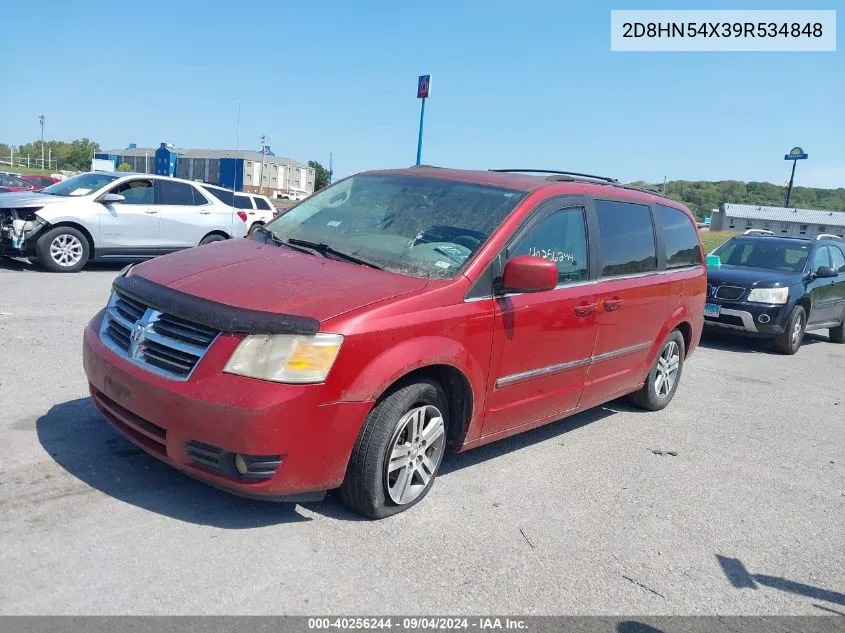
[251, 275]
[747, 276]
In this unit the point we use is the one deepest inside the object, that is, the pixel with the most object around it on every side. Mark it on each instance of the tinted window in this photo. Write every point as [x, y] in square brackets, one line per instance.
[261, 203]
[224, 195]
[680, 237]
[136, 192]
[820, 258]
[198, 197]
[837, 259]
[626, 235]
[11, 181]
[242, 202]
[561, 237]
[175, 193]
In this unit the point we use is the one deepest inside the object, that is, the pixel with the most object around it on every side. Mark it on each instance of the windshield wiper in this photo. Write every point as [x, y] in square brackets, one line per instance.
[325, 250]
[268, 234]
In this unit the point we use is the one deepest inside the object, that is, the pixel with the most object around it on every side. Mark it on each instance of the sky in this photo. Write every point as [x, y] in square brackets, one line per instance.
[513, 85]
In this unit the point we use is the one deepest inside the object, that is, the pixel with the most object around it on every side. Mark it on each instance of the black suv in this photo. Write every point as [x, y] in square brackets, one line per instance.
[777, 287]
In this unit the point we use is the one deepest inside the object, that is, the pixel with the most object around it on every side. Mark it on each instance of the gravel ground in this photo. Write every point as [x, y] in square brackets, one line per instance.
[579, 517]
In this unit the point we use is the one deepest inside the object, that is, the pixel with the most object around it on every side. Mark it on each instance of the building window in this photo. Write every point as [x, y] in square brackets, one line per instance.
[731, 225]
[749, 224]
[802, 229]
[767, 225]
[822, 229]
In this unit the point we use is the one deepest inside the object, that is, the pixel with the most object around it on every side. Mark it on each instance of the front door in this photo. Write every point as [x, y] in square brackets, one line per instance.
[542, 341]
[824, 308]
[633, 300]
[837, 258]
[131, 227]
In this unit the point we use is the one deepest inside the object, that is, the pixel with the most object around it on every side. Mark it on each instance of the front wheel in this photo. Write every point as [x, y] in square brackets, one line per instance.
[793, 335]
[63, 249]
[664, 376]
[398, 452]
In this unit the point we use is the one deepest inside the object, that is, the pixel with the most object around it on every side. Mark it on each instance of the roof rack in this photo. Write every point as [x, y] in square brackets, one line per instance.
[828, 236]
[758, 232]
[555, 172]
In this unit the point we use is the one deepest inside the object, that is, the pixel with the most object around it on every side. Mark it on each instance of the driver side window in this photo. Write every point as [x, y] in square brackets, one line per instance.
[136, 192]
[560, 237]
[820, 258]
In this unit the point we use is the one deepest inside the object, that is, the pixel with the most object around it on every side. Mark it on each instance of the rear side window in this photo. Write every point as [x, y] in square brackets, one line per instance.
[242, 202]
[198, 197]
[626, 236]
[175, 193]
[560, 237]
[223, 195]
[680, 237]
[261, 203]
[838, 259]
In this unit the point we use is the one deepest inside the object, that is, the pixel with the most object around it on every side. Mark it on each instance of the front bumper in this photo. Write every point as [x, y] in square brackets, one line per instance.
[753, 319]
[298, 444]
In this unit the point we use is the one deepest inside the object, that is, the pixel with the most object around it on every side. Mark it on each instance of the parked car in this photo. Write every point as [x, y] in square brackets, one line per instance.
[258, 209]
[39, 182]
[102, 215]
[10, 183]
[778, 288]
[394, 314]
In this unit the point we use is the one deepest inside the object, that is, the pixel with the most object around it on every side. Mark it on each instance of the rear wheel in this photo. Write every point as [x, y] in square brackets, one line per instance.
[254, 226]
[837, 334]
[63, 249]
[792, 337]
[663, 378]
[398, 452]
[210, 239]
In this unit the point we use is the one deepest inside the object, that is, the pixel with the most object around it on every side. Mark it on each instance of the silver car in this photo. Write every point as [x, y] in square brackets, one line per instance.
[102, 215]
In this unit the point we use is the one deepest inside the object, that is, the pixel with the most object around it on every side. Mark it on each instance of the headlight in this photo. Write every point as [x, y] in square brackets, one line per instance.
[769, 295]
[285, 357]
[125, 271]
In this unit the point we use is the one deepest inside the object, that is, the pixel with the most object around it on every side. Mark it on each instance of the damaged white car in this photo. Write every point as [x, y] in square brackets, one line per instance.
[102, 215]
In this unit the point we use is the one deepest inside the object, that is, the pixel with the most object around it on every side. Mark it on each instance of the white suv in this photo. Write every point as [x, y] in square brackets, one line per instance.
[259, 210]
[101, 215]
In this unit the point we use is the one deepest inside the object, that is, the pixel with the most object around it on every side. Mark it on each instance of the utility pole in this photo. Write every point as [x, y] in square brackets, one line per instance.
[795, 154]
[50, 158]
[263, 140]
[42, 119]
[664, 185]
[146, 161]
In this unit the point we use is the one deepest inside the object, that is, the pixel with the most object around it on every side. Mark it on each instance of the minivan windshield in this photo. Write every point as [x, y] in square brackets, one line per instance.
[764, 252]
[420, 226]
[80, 185]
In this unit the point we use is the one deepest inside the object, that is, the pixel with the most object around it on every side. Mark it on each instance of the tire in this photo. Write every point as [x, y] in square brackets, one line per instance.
[210, 239]
[662, 381]
[254, 226]
[837, 334]
[403, 424]
[63, 249]
[789, 342]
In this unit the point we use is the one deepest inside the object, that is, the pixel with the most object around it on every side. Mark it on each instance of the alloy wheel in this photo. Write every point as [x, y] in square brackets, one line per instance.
[415, 453]
[796, 331]
[667, 369]
[66, 250]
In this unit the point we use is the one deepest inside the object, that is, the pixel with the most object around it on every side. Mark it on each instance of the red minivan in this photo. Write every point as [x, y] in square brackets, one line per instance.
[392, 315]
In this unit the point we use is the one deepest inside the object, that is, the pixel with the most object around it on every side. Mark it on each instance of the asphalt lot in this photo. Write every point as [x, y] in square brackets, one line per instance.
[580, 517]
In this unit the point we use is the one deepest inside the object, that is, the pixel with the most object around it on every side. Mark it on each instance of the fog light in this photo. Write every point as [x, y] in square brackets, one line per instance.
[240, 465]
[764, 318]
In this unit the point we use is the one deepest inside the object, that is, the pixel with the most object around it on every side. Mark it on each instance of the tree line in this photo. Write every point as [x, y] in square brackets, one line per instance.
[701, 197]
[75, 155]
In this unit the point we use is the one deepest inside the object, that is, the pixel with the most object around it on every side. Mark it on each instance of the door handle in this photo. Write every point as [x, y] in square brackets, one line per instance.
[205, 212]
[150, 212]
[612, 304]
[585, 309]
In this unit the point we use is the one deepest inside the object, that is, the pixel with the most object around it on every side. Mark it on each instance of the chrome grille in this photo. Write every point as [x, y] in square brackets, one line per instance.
[729, 293]
[161, 343]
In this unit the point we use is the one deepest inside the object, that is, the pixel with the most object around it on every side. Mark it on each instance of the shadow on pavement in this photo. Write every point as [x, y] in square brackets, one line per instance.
[748, 344]
[83, 443]
[34, 266]
[633, 626]
[741, 578]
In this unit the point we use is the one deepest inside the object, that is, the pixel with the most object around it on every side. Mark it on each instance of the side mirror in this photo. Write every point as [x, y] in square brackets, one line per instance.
[528, 273]
[826, 272]
[111, 198]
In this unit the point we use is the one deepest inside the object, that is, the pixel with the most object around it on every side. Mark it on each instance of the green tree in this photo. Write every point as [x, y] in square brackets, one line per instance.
[124, 167]
[322, 176]
[75, 155]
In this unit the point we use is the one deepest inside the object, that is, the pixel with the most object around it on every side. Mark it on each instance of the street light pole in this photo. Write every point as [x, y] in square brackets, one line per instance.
[41, 120]
[261, 173]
